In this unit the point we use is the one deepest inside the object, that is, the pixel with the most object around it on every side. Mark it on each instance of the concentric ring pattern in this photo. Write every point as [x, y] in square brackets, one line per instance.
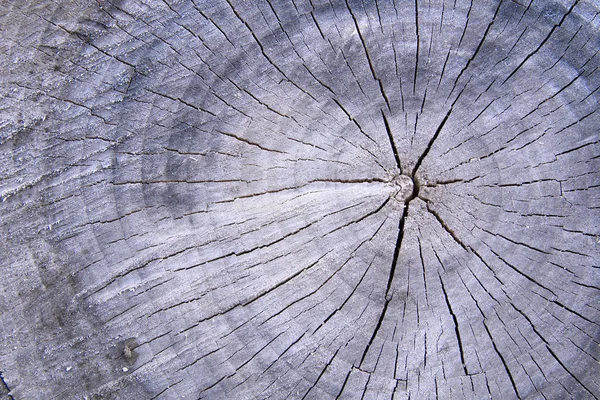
[300, 199]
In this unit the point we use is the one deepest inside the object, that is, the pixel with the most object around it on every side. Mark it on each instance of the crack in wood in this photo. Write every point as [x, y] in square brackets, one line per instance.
[247, 217]
[4, 387]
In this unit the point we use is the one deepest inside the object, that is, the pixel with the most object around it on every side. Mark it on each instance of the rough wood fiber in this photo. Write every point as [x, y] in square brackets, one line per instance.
[203, 199]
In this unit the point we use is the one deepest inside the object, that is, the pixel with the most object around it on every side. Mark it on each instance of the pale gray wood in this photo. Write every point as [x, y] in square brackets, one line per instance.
[299, 199]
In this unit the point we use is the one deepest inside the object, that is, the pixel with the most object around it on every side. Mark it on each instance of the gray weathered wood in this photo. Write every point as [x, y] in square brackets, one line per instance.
[299, 199]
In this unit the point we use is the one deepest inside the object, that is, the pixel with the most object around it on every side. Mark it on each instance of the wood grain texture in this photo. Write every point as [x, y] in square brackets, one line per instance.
[302, 199]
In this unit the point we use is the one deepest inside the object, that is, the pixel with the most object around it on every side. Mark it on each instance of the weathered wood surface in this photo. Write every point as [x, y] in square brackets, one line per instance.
[203, 199]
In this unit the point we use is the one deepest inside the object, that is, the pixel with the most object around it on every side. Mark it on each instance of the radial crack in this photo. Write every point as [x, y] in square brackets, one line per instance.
[430, 144]
[456, 330]
[388, 297]
[392, 143]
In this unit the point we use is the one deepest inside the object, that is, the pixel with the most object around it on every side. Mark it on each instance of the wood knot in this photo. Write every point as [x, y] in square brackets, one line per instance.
[129, 352]
[404, 188]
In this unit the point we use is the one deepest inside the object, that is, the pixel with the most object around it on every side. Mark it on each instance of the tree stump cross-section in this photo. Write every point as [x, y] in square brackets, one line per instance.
[303, 199]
